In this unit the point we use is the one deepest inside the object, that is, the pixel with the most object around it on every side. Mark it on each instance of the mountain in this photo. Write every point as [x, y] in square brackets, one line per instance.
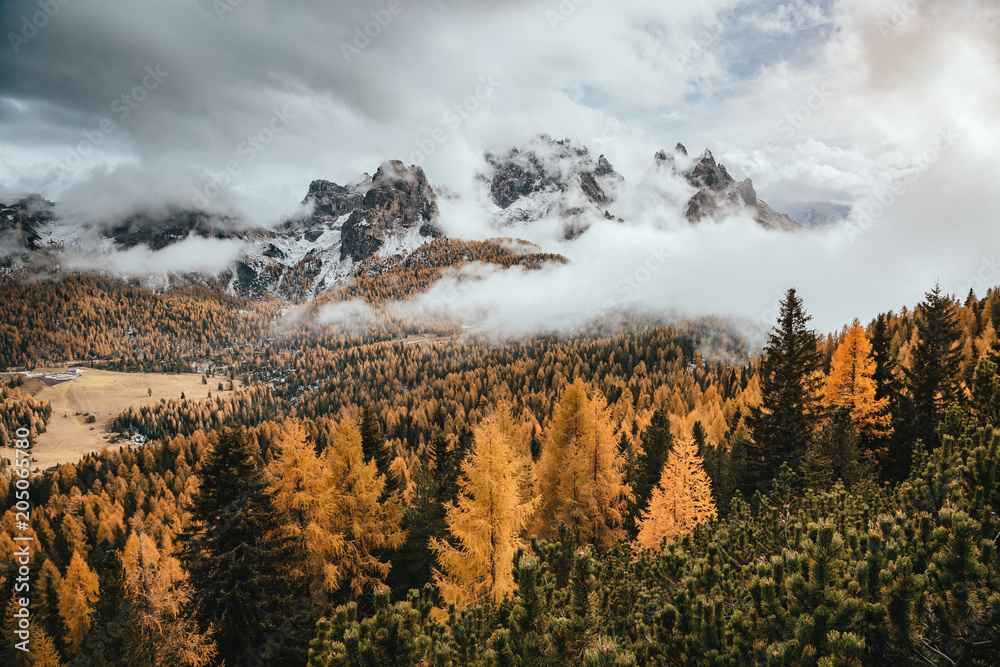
[548, 177]
[21, 222]
[717, 192]
[399, 211]
[389, 214]
[820, 214]
[365, 225]
[159, 230]
[562, 178]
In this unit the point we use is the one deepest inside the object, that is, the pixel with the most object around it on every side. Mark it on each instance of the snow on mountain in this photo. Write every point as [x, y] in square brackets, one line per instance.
[549, 178]
[716, 193]
[393, 213]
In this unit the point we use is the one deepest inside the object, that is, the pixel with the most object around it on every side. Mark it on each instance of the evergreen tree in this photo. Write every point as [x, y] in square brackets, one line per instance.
[885, 380]
[986, 394]
[424, 517]
[932, 377]
[783, 423]
[113, 639]
[373, 445]
[239, 565]
[45, 600]
[535, 444]
[729, 470]
[700, 436]
[645, 471]
[487, 520]
[834, 454]
[682, 499]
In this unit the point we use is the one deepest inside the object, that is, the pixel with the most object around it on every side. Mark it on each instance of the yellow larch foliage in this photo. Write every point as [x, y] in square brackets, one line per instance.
[332, 507]
[368, 523]
[681, 500]
[43, 650]
[161, 593]
[77, 597]
[488, 518]
[581, 472]
[851, 384]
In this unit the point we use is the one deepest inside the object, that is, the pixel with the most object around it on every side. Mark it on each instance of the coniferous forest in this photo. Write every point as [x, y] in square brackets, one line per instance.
[649, 493]
[561, 333]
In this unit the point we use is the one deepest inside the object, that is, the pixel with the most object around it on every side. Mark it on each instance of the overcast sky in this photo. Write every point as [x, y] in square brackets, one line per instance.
[104, 103]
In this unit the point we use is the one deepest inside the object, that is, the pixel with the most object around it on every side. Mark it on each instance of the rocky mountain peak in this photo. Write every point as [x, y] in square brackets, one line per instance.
[548, 176]
[716, 191]
[399, 201]
[603, 167]
[159, 229]
[20, 220]
[336, 200]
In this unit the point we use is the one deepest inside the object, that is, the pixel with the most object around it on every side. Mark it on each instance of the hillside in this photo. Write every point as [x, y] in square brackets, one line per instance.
[595, 427]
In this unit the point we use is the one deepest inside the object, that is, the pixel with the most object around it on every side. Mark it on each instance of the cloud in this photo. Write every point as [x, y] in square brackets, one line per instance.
[352, 314]
[191, 255]
[107, 197]
[830, 102]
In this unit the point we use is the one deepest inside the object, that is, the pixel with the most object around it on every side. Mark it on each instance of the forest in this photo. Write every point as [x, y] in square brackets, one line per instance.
[638, 492]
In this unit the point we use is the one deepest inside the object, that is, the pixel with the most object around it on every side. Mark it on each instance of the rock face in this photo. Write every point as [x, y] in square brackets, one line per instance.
[561, 178]
[336, 200]
[548, 177]
[718, 192]
[20, 222]
[819, 214]
[391, 213]
[399, 203]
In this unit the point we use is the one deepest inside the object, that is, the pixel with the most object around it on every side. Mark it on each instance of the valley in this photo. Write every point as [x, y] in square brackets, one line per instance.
[103, 395]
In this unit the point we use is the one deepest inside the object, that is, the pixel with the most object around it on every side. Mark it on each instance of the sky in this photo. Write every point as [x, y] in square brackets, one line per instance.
[887, 109]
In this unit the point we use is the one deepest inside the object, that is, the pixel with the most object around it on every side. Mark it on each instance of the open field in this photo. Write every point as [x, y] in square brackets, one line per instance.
[104, 395]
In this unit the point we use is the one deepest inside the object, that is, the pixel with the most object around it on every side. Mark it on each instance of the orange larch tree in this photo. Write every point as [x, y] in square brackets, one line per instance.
[581, 472]
[489, 516]
[851, 385]
[682, 499]
[332, 508]
[76, 601]
[160, 594]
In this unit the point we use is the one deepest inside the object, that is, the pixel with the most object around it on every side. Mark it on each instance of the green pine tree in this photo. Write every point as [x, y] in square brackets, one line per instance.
[986, 394]
[113, 638]
[238, 567]
[373, 446]
[644, 473]
[783, 423]
[932, 378]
